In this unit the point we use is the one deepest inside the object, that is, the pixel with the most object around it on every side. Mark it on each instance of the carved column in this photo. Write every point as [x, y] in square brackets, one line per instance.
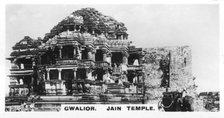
[74, 51]
[93, 54]
[59, 74]
[125, 60]
[75, 28]
[74, 70]
[87, 72]
[109, 56]
[60, 53]
[48, 74]
[104, 55]
[33, 62]
[79, 54]
[89, 52]
[125, 57]
[93, 31]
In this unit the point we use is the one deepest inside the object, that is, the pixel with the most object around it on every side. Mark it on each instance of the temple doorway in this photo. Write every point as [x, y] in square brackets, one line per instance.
[84, 54]
[99, 55]
[68, 76]
[81, 73]
[67, 51]
[132, 58]
[131, 75]
[53, 74]
[117, 58]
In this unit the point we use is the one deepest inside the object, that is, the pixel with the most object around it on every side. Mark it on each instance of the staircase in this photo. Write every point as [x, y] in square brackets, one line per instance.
[114, 88]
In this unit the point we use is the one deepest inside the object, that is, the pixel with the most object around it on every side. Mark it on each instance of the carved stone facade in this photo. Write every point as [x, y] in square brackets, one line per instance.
[79, 56]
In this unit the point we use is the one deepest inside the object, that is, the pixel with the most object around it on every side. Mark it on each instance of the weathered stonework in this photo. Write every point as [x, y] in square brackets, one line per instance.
[180, 70]
[87, 58]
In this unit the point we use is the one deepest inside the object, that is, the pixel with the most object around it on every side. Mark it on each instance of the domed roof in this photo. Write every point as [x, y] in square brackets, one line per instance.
[89, 19]
[27, 42]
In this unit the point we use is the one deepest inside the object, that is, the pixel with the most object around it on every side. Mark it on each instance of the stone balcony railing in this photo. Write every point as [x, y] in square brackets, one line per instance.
[68, 61]
[118, 43]
[74, 61]
[18, 86]
[21, 71]
[101, 64]
[87, 41]
[101, 42]
[85, 63]
[134, 67]
[54, 81]
[71, 41]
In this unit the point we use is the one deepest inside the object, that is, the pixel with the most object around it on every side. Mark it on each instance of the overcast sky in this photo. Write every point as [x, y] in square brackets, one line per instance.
[148, 26]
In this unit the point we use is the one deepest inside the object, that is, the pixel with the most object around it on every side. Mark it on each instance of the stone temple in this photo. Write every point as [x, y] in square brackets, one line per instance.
[86, 58]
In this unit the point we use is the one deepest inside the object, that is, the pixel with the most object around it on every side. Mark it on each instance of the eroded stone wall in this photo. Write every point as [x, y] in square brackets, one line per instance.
[180, 70]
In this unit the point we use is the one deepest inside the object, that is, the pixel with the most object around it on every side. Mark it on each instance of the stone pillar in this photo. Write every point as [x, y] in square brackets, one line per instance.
[60, 52]
[33, 62]
[89, 53]
[137, 89]
[75, 28]
[104, 55]
[93, 54]
[109, 56]
[79, 55]
[59, 74]
[74, 51]
[32, 87]
[22, 66]
[93, 31]
[74, 70]
[48, 74]
[138, 79]
[125, 58]
[87, 73]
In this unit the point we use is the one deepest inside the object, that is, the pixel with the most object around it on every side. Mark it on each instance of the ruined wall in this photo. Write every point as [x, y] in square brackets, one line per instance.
[180, 70]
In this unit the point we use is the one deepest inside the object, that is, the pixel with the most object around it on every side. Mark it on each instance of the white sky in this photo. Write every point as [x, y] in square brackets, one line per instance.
[148, 26]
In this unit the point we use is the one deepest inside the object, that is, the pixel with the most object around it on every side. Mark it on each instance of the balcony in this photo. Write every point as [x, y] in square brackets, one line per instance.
[85, 63]
[67, 41]
[19, 69]
[18, 86]
[22, 67]
[68, 61]
[134, 67]
[101, 43]
[86, 41]
[102, 64]
[122, 44]
[20, 72]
